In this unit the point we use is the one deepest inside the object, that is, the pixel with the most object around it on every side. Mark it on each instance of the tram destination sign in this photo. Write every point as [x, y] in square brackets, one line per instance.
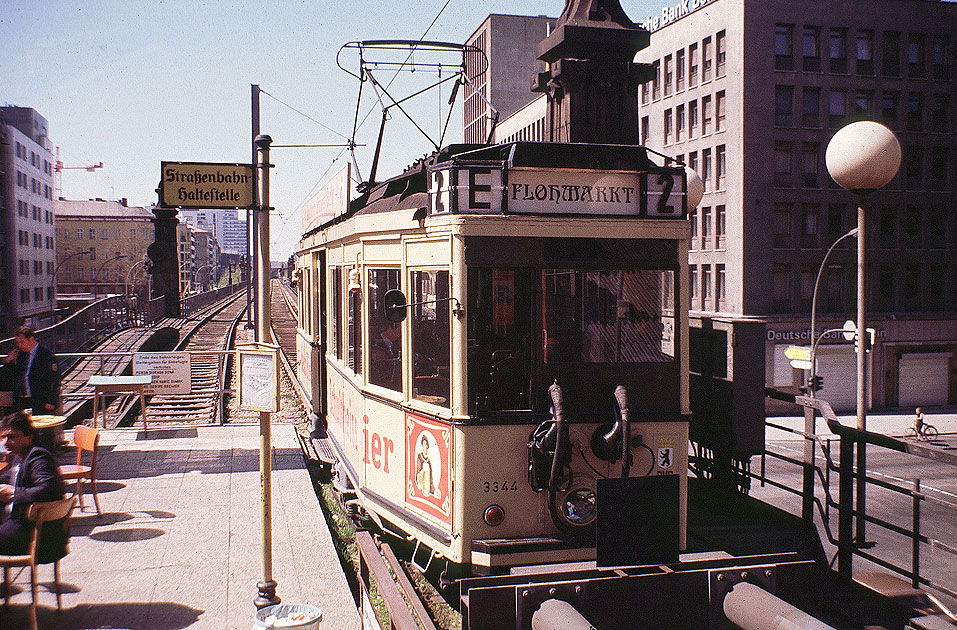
[206, 185]
[653, 194]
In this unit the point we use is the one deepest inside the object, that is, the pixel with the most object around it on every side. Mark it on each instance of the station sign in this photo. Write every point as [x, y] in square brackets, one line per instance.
[171, 372]
[206, 185]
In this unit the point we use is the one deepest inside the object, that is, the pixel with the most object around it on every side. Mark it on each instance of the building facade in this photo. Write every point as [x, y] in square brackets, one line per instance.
[27, 221]
[748, 95]
[101, 247]
[225, 225]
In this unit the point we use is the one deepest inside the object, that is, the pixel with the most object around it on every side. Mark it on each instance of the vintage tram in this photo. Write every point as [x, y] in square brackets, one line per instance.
[491, 334]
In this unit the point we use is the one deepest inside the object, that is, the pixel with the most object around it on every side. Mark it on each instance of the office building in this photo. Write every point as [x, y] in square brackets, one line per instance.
[748, 95]
[226, 227]
[27, 224]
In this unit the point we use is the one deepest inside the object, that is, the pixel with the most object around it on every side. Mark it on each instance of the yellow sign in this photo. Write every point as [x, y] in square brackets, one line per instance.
[206, 185]
[798, 353]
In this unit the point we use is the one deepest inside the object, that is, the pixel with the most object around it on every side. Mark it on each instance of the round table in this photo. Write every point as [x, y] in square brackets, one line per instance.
[49, 430]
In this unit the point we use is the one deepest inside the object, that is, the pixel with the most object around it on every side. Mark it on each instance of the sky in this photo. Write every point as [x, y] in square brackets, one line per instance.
[132, 84]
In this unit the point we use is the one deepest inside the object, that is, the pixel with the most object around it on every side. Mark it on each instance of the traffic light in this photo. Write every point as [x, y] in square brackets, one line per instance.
[816, 383]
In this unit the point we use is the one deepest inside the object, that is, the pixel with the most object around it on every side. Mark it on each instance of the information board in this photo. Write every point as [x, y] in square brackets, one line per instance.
[171, 372]
[258, 365]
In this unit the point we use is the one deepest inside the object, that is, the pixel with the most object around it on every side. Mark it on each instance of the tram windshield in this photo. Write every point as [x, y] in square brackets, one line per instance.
[608, 316]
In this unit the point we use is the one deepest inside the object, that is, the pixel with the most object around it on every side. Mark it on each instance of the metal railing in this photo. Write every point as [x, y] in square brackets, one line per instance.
[851, 519]
[199, 301]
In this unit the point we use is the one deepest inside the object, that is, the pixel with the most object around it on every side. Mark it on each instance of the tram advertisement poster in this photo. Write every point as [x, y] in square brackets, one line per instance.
[428, 467]
[258, 376]
[171, 372]
[206, 185]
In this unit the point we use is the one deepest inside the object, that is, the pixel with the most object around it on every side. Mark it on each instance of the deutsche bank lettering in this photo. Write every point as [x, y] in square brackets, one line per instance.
[672, 13]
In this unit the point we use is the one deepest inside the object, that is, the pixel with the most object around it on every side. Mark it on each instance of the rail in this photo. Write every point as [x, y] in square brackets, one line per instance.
[851, 518]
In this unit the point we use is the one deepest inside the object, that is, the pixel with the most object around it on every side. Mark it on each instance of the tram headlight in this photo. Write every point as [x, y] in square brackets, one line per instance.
[578, 506]
[494, 515]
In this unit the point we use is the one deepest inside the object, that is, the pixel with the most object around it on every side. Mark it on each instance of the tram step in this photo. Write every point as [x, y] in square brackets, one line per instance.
[324, 450]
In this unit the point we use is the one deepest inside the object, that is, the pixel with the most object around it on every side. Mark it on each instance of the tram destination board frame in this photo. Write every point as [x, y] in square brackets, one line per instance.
[258, 365]
[206, 185]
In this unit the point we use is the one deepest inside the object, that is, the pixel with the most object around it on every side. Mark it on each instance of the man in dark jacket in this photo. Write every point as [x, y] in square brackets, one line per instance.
[36, 375]
[32, 476]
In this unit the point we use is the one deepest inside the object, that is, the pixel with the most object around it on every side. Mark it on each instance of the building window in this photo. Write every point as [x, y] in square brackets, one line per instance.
[720, 166]
[913, 228]
[782, 165]
[706, 168]
[679, 122]
[936, 235]
[782, 226]
[835, 221]
[837, 50]
[720, 288]
[706, 59]
[914, 119]
[645, 129]
[810, 164]
[811, 107]
[940, 57]
[837, 108]
[693, 161]
[865, 52]
[692, 118]
[645, 91]
[92, 234]
[889, 109]
[693, 219]
[885, 288]
[811, 48]
[680, 69]
[783, 105]
[705, 286]
[783, 52]
[669, 75]
[863, 104]
[807, 287]
[692, 65]
[719, 111]
[892, 54]
[887, 227]
[720, 228]
[781, 288]
[656, 81]
[720, 47]
[809, 228]
[705, 115]
[667, 126]
[706, 227]
[939, 176]
[915, 56]
[938, 114]
[914, 168]
[693, 283]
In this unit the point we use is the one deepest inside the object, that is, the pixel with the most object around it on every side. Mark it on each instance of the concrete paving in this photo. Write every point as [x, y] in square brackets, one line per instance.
[179, 543]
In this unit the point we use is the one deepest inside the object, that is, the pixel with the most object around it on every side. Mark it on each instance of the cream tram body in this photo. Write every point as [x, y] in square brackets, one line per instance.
[502, 254]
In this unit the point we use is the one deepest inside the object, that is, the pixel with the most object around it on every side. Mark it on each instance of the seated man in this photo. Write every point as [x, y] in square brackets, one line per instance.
[32, 477]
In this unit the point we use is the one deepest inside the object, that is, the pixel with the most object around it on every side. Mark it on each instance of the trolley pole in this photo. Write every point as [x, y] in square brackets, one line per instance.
[267, 587]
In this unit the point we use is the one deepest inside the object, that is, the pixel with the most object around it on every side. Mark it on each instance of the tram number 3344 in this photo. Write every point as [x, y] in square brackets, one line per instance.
[500, 486]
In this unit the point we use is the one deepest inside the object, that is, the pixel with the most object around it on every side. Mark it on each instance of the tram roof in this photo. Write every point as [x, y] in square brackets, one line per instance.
[410, 189]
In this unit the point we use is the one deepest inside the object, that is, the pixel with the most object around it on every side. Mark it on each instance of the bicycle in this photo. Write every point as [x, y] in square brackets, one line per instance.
[926, 433]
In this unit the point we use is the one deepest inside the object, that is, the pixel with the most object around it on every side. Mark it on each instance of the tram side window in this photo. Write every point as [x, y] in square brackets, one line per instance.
[608, 316]
[499, 333]
[335, 273]
[431, 333]
[354, 327]
[385, 343]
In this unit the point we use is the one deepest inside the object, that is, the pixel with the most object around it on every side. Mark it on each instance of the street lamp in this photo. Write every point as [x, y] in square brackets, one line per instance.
[129, 275]
[862, 157]
[56, 269]
[96, 278]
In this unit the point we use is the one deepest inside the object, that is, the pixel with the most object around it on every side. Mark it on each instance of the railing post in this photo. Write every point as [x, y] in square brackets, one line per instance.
[915, 532]
[807, 489]
[845, 529]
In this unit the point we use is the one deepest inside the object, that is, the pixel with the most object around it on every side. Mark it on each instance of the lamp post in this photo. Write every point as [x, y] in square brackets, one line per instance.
[861, 157]
[196, 273]
[56, 269]
[96, 278]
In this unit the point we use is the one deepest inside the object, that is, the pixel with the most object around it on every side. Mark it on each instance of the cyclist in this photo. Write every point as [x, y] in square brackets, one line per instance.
[919, 422]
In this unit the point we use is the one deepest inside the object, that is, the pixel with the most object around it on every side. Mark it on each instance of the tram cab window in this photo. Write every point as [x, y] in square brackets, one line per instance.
[385, 337]
[431, 335]
[499, 339]
[608, 316]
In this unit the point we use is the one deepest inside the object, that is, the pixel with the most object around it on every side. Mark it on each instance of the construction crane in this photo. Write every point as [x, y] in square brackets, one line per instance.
[59, 168]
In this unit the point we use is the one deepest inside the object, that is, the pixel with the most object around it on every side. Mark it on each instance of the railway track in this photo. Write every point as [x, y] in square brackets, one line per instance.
[207, 343]
[284, 320]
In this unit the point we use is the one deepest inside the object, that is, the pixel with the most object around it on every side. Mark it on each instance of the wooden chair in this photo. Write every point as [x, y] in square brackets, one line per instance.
[87, 440]
[38, 513]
